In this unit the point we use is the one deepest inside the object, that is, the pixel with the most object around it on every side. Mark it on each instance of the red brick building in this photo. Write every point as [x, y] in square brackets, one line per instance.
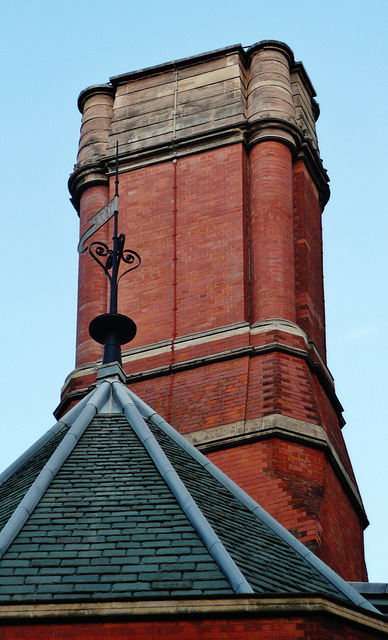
[221, 192]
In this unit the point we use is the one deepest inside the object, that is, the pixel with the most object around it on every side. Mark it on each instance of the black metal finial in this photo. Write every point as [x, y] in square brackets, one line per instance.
[113, 329]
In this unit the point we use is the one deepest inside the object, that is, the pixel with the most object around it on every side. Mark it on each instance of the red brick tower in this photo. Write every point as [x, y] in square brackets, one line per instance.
[221, 192]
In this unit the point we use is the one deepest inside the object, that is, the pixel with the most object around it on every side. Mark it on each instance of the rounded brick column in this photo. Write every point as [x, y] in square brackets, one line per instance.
[89, 186]
[272, 236]
[271, 114]
[92, 282]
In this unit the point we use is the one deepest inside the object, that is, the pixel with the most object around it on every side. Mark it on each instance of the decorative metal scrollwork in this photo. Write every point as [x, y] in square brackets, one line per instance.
[130, 257]
[99, 251]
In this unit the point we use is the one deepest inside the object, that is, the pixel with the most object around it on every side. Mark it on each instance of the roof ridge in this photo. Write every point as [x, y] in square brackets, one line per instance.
[345, 588]
[187, 503]
[51, 468]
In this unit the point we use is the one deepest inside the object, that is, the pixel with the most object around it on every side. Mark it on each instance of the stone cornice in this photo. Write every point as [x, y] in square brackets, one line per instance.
[240, 352]
[275, 129]
[204, 607]
[284, 427]
[94, 89]
[85, 176]
[271, 44]
[183, 146]
[275, 119]
[177, 64]
[245, 54]
[310, 354]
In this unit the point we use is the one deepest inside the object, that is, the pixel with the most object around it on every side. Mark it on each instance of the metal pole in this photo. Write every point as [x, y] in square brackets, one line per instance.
[113, 329]
[115, 256]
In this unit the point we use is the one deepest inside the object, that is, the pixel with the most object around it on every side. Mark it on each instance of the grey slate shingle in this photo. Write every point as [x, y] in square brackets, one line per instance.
[109, 526]
[267, 562]
[15, 487]
[126, 483]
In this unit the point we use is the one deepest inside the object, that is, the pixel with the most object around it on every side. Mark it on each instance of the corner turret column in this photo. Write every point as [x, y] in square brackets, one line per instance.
[271, 114]
[89, 185]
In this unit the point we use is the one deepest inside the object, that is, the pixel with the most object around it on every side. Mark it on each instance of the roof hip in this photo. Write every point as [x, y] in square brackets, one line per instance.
[344, 587]
[188, 505]
[23, 511]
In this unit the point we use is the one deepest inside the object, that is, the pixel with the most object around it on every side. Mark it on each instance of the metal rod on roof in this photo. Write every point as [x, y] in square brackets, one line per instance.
[118, 242]
[113, 329]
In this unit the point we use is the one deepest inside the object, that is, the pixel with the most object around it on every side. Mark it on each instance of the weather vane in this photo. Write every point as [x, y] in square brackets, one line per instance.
[111, 329]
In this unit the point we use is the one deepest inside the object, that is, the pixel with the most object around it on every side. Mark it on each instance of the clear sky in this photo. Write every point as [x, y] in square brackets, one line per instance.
[51, 50]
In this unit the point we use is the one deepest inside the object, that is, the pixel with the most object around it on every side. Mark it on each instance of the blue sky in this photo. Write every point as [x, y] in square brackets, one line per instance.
[50, 51]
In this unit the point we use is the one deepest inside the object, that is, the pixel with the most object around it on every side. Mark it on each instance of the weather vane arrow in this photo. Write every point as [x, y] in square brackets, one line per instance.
[97, 221]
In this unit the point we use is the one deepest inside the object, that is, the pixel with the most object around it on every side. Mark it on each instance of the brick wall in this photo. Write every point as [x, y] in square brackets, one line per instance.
[313, 627]
[210, 246]
[92, 283]
[310, 310]
[297, 486]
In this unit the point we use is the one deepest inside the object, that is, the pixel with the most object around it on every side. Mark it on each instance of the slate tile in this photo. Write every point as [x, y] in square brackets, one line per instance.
[143, 537]
[19, 589]
[76, 547]
[14, 562]
[131, 587]
[144, 568]
[63, 554]
[159, 577]
[116, 578]
[99, 569]
[92, 587]
[185, 592]
[168, 585]
[55, 588]
[11, 580]
[207, 576]
[44, 540]
[18, 547]
[165, 557]
[54, 547]
[39, 579]
[75, 562]
[155, 543]
[91, 553]
[186, 549]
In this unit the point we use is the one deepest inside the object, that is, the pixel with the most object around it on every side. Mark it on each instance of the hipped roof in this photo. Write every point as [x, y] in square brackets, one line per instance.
[113, 502]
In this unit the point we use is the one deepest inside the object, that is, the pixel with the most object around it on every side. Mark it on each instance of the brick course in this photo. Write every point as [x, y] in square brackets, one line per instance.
[313, 627]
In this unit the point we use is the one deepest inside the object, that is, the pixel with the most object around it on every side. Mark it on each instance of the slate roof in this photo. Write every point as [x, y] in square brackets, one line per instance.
[113, 502]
